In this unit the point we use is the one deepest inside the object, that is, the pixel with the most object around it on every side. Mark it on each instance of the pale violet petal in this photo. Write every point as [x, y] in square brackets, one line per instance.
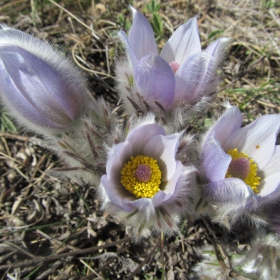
[139, 137]
[141, 36]
[163, 148]
[155, 80]
[172, 186]
[273, 166]
[145, 204]
[130, 53]
[230, 190]
[270, 184]
[118, 156]
[35, 88]
[271, 198]
[193, 78]
[257, 139]
[12, 95]
[117, 193]
[160, 197]
[228, 123]
[183, 43]
[215, 160]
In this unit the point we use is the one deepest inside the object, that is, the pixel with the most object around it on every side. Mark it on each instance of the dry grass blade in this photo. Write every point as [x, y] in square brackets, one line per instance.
[38, 259]
[145, 261]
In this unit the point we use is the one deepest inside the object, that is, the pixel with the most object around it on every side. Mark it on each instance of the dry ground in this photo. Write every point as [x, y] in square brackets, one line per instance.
[54, 230]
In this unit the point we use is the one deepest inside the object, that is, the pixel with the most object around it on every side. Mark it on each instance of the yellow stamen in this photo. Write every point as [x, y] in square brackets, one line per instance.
[141, 188]
[251, 179]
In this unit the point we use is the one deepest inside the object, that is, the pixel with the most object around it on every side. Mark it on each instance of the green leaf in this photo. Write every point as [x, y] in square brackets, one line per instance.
[157, 24]
[153, 7]
[215, 33]
[7, 124]
[125, 23]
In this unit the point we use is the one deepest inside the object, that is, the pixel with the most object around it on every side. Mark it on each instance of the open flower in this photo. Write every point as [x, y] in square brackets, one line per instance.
[182, 73]
[241, 165]
[40, 88]
[144, 184]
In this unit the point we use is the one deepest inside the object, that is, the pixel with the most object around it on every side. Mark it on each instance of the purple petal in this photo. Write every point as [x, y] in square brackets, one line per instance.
[269, 185]
[163, 148]
[229, 122]
[257, 139]
[183, 43]
[194, 77]
[170, 186]
[140, 203]
[130, 52]
[35, 88]
[141, 135]
[230, 190]
[215, 160]
[273, 165]
[120, 154]
[38, 84]
[141, 36]
[271, 197]
[117, 193]
[15, 96]
[155, 80]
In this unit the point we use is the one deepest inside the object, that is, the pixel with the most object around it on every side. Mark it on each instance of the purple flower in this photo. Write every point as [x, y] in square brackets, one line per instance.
[144, 184]
[182, 73]
[241, 165]
[41, 89]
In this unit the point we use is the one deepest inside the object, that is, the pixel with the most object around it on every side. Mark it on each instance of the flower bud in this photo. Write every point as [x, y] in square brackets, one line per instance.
[40, 88]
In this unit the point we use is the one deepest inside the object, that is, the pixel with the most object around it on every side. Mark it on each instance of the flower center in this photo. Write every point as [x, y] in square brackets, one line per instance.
[141, 176]
[143, 173]
[243, 168]
[174, 66]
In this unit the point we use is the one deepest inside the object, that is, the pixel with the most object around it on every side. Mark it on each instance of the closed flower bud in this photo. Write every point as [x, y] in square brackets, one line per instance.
[39, 87]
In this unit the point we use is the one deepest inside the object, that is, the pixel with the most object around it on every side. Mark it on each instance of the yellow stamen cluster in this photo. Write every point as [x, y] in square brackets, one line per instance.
[132, 184]
[251, 179]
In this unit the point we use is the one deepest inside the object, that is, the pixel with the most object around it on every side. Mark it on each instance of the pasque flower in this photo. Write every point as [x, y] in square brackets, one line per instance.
[40, 88]
[241, 165]
[145, 185]
[180, 74]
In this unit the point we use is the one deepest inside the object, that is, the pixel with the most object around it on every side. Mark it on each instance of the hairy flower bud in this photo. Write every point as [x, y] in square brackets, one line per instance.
[40, 88]
[180, 77]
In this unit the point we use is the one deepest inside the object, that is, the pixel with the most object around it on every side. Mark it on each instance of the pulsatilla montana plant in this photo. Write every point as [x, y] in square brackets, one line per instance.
[147, 170]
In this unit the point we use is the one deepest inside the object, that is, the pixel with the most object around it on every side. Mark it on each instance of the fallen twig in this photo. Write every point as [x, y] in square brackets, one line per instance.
[39, 259]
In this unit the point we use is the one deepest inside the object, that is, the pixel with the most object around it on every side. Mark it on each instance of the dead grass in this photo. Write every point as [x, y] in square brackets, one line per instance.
[54, 230]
